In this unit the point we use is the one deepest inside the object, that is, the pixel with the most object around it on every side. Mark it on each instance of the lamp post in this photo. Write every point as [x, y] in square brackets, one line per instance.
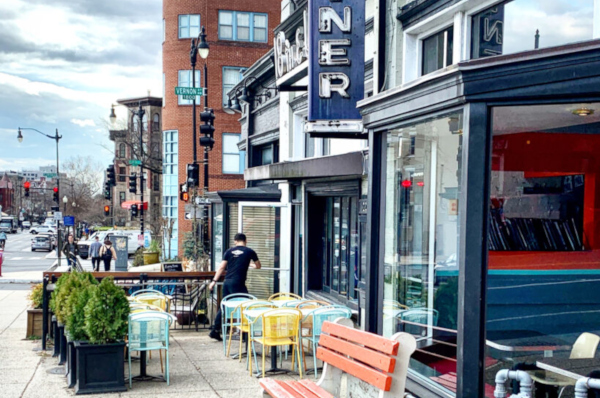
[56, 138]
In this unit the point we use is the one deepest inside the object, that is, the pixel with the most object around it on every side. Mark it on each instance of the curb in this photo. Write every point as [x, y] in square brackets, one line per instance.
[20, 281]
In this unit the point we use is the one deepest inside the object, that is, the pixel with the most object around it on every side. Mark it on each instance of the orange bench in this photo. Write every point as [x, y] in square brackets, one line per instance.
[375, 366]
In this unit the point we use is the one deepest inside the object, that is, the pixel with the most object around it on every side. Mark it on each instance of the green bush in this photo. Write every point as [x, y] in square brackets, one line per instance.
[36, 296]
[57, 287]
[106, 313]
[74, 282]
[76, 319]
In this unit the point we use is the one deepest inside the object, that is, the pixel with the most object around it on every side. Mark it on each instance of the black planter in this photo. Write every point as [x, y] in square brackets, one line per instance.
[70, 366]
[56, 338]
[99, 368]
[63, 344]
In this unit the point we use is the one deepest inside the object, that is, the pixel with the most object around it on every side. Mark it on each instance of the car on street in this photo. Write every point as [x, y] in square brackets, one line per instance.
[132, 239]
[26, 224]
[42, 242]
[42, 229]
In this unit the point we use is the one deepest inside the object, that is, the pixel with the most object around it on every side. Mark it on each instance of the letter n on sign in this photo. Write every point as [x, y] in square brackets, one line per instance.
[336, 66]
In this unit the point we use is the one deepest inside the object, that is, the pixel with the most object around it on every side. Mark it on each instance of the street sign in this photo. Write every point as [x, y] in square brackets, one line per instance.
[140, 240]
[135, 162]
[50, 175]
[58, 216]
[69, 221]
[189, 93]
[202, 201]
[147, 239]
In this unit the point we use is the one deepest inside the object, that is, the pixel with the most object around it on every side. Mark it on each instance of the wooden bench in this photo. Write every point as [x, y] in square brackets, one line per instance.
[375, 366]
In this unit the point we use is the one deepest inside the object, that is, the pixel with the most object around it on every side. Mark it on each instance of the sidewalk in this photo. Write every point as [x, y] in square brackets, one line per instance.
[198, 367]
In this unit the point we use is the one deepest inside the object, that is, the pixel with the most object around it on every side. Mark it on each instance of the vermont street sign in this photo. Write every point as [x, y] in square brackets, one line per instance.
[135, 162]
[189, 93]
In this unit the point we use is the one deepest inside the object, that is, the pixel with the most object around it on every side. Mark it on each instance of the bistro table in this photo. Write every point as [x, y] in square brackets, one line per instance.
[525, 341]
[572, 368]
[252, 315]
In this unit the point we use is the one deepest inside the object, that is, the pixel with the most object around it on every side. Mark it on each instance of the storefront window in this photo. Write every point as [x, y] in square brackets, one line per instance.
[217, 230]
[421, 241]
[521, 25]
[544, 240]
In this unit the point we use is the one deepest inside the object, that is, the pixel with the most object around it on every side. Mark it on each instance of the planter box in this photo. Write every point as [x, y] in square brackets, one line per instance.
[35, 323]
[56, 334]
[99, 368]
[151, 258]
[62, 350]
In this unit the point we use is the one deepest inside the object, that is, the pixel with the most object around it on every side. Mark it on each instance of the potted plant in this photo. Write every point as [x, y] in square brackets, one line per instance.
[35, 315]
[99, 361]
[151, 255]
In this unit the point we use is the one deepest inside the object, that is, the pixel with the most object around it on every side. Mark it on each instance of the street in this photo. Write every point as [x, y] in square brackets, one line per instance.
[21, 264]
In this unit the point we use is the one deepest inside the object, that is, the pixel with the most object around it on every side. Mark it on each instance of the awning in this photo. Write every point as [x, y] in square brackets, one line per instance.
[127, 204]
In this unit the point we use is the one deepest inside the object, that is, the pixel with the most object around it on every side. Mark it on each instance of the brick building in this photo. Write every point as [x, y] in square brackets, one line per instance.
[239, 33]
[7, 194]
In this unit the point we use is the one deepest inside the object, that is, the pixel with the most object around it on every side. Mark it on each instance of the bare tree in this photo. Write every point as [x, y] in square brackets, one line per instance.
[82, 186]
[166, 228]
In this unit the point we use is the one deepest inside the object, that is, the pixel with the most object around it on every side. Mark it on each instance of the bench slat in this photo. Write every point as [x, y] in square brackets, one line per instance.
[363, 354]
[274, 389]
[321, 393]
[356, 369]
[378, 343]
[301, 390]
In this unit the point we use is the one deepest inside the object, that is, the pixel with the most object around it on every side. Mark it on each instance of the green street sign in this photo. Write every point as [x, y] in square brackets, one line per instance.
[189, 93]
[50, 175]
[135, 162]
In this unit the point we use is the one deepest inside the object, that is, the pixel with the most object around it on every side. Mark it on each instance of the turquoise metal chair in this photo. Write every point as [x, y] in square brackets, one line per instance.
[146, 291]
[291, 303]
[415, 319]
[230, 315]
[319, 316]
[149, 330]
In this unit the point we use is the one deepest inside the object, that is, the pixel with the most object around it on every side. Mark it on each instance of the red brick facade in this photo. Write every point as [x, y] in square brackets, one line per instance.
[222, 53]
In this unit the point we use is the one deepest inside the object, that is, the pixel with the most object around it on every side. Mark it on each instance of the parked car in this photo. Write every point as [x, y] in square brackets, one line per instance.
[26, 224]
[42, 242]
[52, 237]
[132, 240]
[42, 229]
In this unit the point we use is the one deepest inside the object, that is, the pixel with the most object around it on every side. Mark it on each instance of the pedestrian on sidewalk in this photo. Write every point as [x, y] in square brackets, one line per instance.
[70, 250]
[2, 240]
[236, 261]
[107, 252]
[95, 253]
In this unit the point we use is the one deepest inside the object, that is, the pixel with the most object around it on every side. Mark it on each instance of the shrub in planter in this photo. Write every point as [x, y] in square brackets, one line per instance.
[99, 362]
[35, 315]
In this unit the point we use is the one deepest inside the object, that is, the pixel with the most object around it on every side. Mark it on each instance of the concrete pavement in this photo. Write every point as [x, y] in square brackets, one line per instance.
[198, 367]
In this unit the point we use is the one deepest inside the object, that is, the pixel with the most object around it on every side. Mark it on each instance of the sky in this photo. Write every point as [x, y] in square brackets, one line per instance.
[62, 64]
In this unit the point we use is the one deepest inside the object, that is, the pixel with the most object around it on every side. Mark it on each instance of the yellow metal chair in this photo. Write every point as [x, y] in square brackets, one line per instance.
[244, 326]
[156, 300]
[278, 327]
[284, 297]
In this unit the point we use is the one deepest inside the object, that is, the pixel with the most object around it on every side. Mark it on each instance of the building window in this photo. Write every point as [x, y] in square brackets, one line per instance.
[170, 190]
[266, 155]
[145, 122]
[232, 75]
[521, 25]
[189, 26]
[122, 152]
[156, 185]
[122, 174]
[422, 235]
[121, 197]
[233, 158]
[437, 51]
[185, 80]
[243, 26]
[156, 122]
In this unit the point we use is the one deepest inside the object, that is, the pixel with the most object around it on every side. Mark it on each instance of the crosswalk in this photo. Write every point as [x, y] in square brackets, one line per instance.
[25, 258]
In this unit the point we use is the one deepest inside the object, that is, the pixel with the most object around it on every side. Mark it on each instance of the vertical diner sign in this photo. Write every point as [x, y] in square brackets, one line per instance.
[336, 67]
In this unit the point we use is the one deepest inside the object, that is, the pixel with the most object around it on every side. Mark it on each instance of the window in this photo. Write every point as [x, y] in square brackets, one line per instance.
[145, 122]
[231, 76]
[156, 122]
[121, 197]
[189, 26]
[156, 185]
[122, 174]
[420, 276]
[243, 26]
[122, 152]
[266, 154]
[521, 25]
[437, 51]
[233, 158]
[170, 190]
[185, 80]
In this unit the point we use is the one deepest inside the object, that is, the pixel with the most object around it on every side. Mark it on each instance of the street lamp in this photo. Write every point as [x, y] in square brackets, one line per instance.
[199, 46]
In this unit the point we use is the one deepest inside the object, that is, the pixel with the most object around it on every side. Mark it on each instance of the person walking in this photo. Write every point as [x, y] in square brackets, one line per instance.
[2, 240]
[95, 253]
[70, 250]
[236, 261]
[107, 252]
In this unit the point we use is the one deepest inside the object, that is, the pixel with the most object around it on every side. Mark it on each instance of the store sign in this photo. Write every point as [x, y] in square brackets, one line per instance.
[490, 32]
[336, 64]
[289, 56]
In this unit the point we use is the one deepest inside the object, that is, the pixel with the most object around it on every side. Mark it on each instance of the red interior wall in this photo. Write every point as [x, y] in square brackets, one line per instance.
[553, 154]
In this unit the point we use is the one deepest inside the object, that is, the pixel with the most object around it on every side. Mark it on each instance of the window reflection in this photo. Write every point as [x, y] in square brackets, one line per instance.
[421, 241]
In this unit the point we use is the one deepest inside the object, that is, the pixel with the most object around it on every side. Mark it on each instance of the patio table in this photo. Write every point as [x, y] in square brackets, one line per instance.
[572, 368]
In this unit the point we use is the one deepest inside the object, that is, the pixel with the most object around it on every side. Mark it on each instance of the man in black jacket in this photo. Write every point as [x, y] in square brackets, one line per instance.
[236, 261]
[70, 250]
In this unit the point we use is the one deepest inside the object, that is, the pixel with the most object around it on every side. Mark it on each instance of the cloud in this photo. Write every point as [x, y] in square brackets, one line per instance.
[83, 123]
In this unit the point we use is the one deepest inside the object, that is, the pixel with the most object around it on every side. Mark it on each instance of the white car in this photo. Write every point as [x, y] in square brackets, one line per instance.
[42, 229]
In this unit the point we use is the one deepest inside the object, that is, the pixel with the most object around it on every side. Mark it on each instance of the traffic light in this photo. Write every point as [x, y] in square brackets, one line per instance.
[55, 197]
[134, 210]
[110, 175]
[183, 192]
[133, 183]
[207, 129]
[107, 192]
[193, 174]
[107, 211]
[27, 185]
